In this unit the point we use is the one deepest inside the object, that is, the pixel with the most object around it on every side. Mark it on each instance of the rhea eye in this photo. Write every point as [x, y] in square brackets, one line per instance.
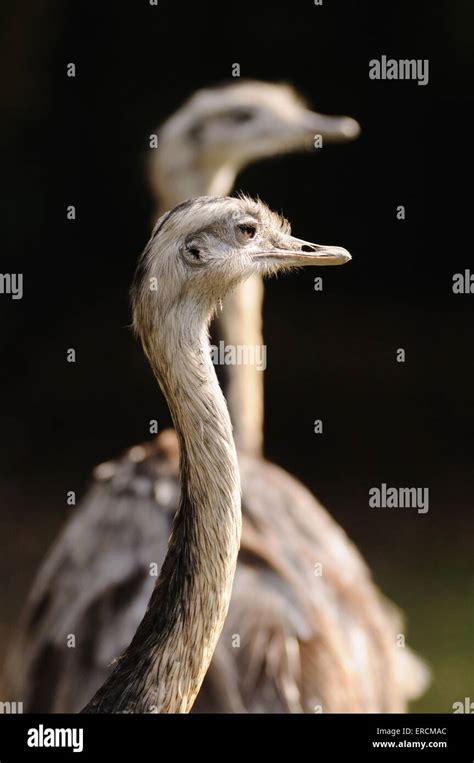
[238, 116]
[192, 253]
[247, 230]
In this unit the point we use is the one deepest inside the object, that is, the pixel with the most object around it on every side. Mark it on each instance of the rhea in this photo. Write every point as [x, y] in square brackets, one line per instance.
[95, 581]
[196, 255]
[306, 641]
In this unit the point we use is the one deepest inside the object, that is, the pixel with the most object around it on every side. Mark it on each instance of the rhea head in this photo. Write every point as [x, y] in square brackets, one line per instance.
[202, 249]
[220, 130]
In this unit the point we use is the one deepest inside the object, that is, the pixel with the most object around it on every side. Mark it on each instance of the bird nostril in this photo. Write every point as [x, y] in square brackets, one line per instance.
[307, 248]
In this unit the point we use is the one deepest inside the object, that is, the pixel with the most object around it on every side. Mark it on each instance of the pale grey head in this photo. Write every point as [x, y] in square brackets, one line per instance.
[204, 247]
[220, 130]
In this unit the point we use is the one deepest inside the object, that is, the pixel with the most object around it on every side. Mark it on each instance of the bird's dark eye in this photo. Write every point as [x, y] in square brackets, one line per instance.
[247, 230]
[238, 116]
[195, 132]
[192, 253]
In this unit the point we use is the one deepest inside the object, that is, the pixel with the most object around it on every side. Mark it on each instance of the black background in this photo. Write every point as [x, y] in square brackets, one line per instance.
[331, 355]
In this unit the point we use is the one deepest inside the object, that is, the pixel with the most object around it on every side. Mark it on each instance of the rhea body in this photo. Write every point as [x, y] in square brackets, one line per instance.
[197, 253]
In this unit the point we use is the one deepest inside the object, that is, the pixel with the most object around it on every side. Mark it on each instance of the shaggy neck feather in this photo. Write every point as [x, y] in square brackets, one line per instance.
[164, 666]
[240, 322]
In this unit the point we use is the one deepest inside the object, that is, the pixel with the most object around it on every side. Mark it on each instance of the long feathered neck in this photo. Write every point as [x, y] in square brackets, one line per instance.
[239, 325]
[164, 666]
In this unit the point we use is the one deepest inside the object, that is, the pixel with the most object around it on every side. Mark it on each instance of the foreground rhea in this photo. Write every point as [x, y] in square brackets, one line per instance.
[197, 253]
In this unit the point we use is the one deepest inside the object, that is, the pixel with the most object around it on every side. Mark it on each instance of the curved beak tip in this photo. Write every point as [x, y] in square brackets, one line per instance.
[333, 255]
[334, 129]
[324, 255]
[350, 128]
[343, 258]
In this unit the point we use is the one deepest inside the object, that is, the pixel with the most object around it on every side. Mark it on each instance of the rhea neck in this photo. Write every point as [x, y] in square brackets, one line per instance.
[164, 666]
[239, 323]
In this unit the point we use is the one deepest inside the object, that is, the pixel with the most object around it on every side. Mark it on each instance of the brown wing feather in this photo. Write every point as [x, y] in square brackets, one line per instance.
[293, 641]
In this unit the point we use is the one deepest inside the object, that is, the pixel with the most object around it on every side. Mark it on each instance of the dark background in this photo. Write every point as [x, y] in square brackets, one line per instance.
[331, 355]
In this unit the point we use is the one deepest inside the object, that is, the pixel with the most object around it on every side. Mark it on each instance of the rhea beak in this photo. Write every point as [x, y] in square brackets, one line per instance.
[294, 252]
[332, 129]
